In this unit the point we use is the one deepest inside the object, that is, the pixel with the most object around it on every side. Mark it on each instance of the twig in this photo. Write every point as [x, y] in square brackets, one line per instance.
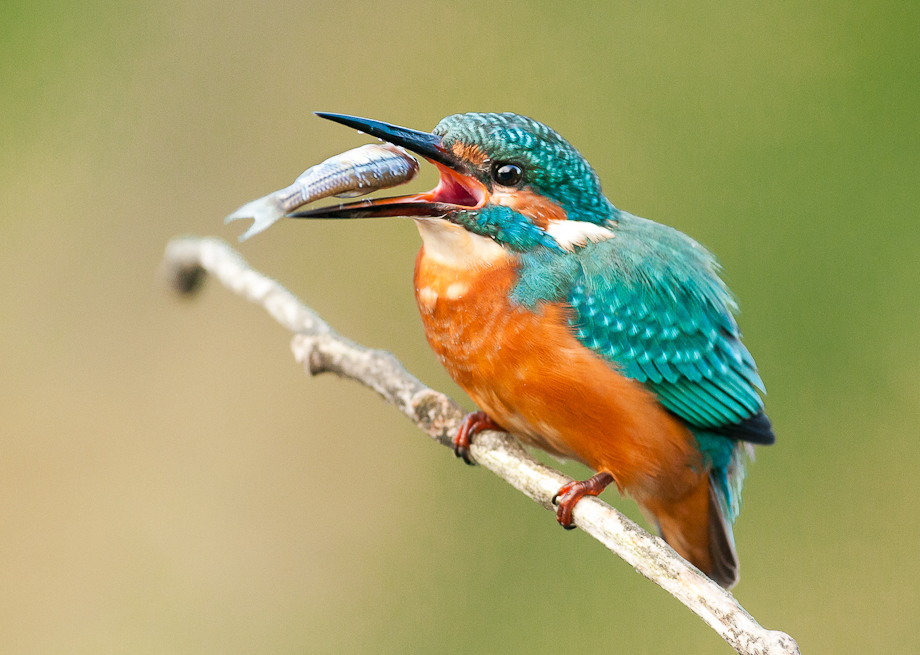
[321, 349]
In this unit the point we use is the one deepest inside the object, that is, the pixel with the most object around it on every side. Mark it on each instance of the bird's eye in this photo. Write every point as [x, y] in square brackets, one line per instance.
[507, 174]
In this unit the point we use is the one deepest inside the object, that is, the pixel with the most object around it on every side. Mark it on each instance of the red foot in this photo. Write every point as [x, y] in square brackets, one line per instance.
[469, 426]
[572, 492]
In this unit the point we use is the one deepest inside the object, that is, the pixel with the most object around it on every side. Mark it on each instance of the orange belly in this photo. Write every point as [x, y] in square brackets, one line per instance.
[529, 373]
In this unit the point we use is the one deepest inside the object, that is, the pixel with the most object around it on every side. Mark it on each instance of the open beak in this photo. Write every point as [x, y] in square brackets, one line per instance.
[456, 190]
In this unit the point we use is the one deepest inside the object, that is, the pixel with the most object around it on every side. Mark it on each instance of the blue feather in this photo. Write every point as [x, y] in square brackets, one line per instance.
[651, 303]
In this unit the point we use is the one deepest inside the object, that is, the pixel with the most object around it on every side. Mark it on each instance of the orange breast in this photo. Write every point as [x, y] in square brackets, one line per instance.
[532, 376]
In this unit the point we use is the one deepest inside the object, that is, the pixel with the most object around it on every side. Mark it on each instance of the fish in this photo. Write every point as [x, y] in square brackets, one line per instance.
[353, 173]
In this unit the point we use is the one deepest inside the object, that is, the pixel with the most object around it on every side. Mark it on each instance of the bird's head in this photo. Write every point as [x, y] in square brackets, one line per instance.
[503, 176]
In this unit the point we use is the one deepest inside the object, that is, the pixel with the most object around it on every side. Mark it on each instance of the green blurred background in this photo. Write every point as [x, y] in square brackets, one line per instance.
[171, 482]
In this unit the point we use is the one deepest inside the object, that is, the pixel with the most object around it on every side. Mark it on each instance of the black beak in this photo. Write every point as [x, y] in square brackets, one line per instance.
[422, 143]
[438, 202]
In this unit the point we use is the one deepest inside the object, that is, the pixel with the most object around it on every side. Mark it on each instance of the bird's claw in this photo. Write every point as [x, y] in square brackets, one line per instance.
[464, 453]
[564, 512]
[569, 494]
[470, 425]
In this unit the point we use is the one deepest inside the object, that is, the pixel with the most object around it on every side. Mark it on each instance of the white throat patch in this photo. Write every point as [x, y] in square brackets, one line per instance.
[452, 245]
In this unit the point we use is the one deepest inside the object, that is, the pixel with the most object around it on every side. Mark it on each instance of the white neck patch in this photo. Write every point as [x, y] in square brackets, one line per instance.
[577, 234]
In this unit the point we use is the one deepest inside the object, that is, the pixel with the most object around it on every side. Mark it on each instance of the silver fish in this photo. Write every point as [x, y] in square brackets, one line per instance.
[353, 173]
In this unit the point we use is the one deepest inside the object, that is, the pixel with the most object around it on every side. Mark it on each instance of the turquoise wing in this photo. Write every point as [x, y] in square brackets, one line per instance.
[650, 301]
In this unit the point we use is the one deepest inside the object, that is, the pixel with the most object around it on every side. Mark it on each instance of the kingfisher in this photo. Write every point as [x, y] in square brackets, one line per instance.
[583, 330]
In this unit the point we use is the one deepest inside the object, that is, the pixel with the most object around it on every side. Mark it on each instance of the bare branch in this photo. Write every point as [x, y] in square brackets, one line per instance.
[321, 349]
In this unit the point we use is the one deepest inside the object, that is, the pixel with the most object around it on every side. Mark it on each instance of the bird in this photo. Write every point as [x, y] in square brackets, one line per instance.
[583, 330]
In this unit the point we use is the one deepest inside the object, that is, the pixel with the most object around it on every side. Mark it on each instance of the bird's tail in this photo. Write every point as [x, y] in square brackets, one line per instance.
[697, 528]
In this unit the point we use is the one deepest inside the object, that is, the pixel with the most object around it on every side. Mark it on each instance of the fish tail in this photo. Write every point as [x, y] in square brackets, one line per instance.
[264, 212]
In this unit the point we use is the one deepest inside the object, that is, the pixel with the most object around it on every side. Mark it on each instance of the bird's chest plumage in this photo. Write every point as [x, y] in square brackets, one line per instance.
[528, 372]
[466, 314]
[484, 342]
